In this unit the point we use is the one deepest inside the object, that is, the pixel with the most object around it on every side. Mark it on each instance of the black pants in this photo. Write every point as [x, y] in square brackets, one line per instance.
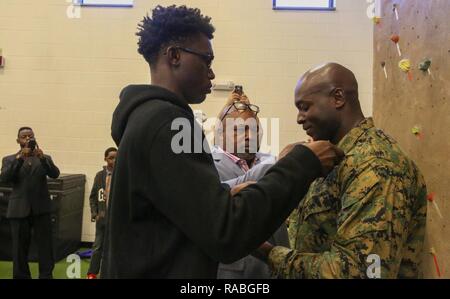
[97, 248]
[21, 239]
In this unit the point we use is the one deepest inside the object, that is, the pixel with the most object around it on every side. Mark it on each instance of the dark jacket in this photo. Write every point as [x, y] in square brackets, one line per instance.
[169, 215]
[28, 177]
[96, 199]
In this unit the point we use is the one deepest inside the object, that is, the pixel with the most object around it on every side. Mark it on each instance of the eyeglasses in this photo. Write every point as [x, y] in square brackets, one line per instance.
[208, 58]
[239, 106]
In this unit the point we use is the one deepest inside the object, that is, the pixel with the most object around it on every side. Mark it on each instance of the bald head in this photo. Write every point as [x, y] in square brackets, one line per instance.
[328, 76]
[327, 99]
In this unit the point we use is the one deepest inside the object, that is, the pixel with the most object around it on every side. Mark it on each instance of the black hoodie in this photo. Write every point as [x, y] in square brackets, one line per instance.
[169, 215]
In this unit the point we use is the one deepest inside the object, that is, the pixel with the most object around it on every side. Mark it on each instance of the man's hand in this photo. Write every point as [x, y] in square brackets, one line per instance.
[38, 153]
[233, 97]
[328, 154]
[262, 253]
[236, 189]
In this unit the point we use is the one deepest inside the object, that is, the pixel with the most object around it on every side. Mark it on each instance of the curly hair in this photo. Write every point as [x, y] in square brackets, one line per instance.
[168, 25]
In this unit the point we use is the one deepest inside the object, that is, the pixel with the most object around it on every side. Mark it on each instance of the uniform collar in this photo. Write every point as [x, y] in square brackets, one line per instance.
[348, 142]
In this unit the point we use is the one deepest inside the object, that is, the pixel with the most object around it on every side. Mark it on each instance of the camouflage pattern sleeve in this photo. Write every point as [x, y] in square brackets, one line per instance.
[374, 219]
[292, 226]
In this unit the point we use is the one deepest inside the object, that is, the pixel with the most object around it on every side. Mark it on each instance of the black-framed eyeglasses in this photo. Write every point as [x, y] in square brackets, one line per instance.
[208, 58]
[239, 106]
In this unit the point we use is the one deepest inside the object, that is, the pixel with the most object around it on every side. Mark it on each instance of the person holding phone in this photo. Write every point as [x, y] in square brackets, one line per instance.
[29, 204]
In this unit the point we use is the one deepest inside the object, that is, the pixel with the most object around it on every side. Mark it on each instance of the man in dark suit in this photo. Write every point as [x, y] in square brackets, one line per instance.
[99, 203]
[29, 204]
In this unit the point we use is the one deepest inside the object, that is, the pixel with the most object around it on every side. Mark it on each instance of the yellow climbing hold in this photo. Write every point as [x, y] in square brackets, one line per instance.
[405, 65]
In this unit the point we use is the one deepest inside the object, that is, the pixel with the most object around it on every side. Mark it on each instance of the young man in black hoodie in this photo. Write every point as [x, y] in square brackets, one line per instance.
[169, 215]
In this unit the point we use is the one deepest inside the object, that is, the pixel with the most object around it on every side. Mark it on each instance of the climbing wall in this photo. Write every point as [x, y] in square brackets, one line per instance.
[412, 104]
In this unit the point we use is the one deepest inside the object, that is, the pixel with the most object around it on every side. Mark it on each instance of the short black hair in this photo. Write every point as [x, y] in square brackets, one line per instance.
[23, 129]
[168, 25]
[111, 149]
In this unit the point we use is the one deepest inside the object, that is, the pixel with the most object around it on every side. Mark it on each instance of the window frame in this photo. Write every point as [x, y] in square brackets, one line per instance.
[81, 3]
[331, 7]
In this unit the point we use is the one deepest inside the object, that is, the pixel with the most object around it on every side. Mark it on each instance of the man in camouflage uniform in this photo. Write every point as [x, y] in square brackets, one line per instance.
[372, 205]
